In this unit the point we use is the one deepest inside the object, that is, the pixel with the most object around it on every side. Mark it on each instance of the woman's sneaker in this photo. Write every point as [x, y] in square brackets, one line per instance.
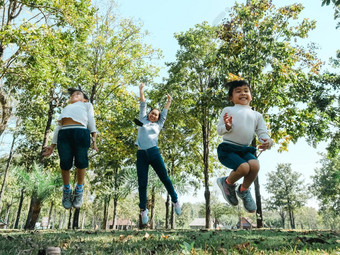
[228, 191]
[77, 199]
[67, 199]
[144, 216]
[248, 202]
[177, 207]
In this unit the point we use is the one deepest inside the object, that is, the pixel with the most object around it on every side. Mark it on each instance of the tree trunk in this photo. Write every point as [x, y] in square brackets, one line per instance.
[53, 218]
[69, 219]
[34, 211]
[6, 111]
[206, 131]
[283, 217]
[83, 220]
[106, 211]
[152, 218]
[172, 217]
[259, 215]
[16, 225]
[7, 168]
[115, 202]
[36, 204]
[50, 215]
[75, 224]
[167, 202]
[239, 216]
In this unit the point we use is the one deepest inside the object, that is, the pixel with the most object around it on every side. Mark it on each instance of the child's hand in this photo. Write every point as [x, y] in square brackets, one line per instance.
[228, 121]
[141, 86]
[265, 145]
[94, 144]
[47, 151]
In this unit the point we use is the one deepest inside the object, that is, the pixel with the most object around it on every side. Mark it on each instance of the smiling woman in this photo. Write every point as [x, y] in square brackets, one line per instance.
[148, 154]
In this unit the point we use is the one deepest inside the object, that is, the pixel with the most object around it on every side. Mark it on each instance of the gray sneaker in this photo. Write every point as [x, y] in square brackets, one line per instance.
[144, 216]
[248, 202]
[177, 208]
[67, 199]
[228, 191]
[77, 199]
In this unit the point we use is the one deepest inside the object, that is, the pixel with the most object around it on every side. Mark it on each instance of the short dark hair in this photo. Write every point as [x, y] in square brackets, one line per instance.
[234, 84]
[72, 90]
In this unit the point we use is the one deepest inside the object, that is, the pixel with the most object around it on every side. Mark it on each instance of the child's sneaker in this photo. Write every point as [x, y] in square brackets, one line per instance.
[228, 191]
[248, 202]
[67, 199]
[77, 199]
[177, 207]
[144, 216]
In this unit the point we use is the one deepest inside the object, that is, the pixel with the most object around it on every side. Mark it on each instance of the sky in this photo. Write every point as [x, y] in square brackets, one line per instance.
[162, 19]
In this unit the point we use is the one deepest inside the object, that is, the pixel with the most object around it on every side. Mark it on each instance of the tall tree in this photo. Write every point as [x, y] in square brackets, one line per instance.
[196, 69]
[260, 44]
[286, 190]
[326, 184]
[23, 27]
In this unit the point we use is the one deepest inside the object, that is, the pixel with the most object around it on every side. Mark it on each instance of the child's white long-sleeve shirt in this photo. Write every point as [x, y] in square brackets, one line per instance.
[245, 123]
[80, 112]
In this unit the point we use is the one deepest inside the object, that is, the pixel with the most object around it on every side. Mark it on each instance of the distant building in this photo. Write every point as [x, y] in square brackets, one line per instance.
[246, 223]
[199, 223]
[122, 224]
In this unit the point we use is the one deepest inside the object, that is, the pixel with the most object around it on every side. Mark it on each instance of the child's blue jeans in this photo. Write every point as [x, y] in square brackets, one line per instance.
[144, 159]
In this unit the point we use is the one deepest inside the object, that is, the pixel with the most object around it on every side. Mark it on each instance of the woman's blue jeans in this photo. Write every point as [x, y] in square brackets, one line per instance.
[144, 159]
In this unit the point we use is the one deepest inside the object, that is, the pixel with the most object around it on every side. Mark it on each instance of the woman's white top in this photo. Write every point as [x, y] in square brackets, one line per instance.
[245, 123]
[80, 112]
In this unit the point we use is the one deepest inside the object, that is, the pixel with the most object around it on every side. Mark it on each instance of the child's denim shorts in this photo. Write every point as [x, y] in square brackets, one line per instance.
[232, 156]
[73, 144]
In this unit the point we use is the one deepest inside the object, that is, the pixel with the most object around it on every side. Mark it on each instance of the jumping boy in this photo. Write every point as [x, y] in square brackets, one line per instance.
[238, 125]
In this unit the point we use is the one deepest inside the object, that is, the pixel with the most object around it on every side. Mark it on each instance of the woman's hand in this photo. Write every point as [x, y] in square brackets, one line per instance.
[141, 86]
[169, 98]
[168, 103]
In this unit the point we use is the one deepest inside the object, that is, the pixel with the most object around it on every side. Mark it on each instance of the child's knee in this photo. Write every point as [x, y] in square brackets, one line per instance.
[243, 169]
[254, 165]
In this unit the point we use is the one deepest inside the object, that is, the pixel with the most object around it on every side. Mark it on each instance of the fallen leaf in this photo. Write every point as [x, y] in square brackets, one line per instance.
[146, 236]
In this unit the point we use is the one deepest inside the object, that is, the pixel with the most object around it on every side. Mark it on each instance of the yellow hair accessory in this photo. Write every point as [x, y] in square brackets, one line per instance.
[232, 77]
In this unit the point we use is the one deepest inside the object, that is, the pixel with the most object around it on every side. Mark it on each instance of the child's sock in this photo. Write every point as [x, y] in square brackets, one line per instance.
[227, 182]
[79, 187]
[242, 188]
[67, 188]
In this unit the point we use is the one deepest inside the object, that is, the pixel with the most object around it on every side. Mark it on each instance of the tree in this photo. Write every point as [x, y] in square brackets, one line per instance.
[336, 7]
[287, 191]
[25, 24]
[196, 69]
[260, 45]
[326, 184]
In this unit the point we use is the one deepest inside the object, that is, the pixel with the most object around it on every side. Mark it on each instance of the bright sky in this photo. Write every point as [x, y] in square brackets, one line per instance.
[164, 18]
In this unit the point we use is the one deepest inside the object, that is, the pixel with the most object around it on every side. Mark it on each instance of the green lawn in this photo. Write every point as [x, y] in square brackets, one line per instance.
[171, 242]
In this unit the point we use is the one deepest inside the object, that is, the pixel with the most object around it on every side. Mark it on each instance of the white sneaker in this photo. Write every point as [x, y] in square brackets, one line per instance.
[144, 216]
[177, 207]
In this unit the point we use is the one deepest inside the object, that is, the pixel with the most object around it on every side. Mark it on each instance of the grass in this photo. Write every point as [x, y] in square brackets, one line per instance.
[257, 241]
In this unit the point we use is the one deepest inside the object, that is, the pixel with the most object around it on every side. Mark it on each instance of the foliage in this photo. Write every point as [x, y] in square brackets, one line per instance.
[169, 242]
[336, 6]
[286, 190]
[326, 184]
[260, 44]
